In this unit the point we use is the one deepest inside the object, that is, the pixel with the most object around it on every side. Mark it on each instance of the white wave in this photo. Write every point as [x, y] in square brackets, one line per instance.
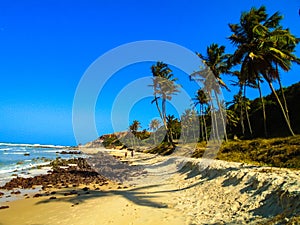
[18, 168]
[33, 145]
[15, 153]
[20, 150]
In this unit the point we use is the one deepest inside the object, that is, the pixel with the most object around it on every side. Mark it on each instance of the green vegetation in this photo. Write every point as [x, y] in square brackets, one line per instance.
[275, 123]
[262, 47]
[277, 152]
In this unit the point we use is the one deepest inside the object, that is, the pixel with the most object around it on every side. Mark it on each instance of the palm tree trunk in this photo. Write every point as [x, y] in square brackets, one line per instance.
[201, 123]
[169, 132]
[214, 121]
[154, 137]
[242, 117]
[284, 99]
[248, 121]
[204, 123]
[158, 109]
[241, 102]
[263, 108]
[282, 109]
[162, 114]
[222, 116]
[247, 114]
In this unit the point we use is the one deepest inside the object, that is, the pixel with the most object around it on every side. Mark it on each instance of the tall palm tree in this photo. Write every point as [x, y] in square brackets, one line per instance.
[216, 60]
[240, 105]
[164, 87]
[263, 45]
[240, 102]
[202, 100]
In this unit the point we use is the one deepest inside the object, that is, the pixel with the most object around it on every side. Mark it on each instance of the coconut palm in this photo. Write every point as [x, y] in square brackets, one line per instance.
[240, 102]
[173, 127]
[135, 126]
[164, 87]
[216, 61]
[202, 100]
[190, 125]
[263, 46]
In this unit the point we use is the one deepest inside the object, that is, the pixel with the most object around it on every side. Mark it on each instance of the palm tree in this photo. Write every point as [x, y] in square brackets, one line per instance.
[173, 127]
[154, 125]
[263, 45]
[216, 60]
[202, 100]
[135, 126]
[164, 87]
[133, 129]
[190, 125]
[240, 102]
[232, 118]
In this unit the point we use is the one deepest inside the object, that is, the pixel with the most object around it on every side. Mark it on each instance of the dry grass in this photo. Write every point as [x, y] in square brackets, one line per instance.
[278, 152]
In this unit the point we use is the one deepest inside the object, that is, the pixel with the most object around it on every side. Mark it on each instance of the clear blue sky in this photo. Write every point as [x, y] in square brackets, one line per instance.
[46, 46]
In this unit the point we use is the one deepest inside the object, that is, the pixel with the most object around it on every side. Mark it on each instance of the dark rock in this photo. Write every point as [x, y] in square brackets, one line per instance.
[71, 152]
[60, 177]
[85, 189]
[52, 197]
[73, 192]
[37, 195]
[4, 207]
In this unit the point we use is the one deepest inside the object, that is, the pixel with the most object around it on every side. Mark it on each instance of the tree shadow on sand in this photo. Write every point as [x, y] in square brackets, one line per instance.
[139, 196]
[142, 196]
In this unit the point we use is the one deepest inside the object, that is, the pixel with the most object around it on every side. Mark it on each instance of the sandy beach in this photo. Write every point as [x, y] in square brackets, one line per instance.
[174, 190]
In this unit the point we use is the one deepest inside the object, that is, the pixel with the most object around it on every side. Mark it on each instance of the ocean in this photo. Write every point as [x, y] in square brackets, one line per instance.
[19, 159]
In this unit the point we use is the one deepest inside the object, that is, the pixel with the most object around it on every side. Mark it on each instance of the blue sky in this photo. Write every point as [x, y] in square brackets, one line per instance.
[46, 46]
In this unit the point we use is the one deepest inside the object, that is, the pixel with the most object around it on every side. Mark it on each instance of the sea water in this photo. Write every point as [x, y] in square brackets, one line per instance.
[19, 159]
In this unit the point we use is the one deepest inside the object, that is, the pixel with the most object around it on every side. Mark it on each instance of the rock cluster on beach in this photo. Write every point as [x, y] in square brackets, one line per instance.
[70, 152]
[65, 173]
[112, 168]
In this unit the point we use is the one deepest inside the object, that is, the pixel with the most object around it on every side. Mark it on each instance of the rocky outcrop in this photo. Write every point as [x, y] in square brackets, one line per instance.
[62, 175]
